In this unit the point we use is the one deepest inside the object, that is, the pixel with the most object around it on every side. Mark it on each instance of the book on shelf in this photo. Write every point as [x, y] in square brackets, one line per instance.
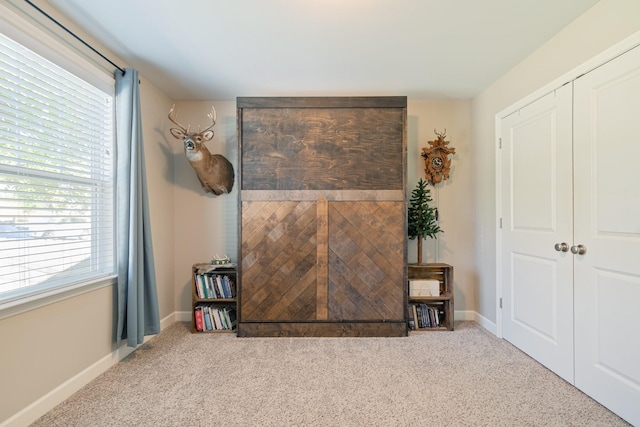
[214, 286]
[230, 316]
[427, 315]
[411, 322]
[213, 290]
[219, 324]
[214, 317]
[418, 316]
[207, 286]
[208, 291]
[219, 289]
[227, 284]
[199, 319]
[198, 283]
[207, 318]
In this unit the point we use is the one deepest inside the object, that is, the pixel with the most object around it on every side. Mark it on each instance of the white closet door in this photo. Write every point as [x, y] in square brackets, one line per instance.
[607, 223]
[537, 287]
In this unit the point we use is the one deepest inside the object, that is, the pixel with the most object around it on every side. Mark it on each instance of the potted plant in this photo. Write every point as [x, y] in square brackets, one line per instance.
[422, 218]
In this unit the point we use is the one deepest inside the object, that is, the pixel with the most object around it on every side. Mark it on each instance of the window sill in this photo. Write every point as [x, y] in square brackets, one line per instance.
[15, 306]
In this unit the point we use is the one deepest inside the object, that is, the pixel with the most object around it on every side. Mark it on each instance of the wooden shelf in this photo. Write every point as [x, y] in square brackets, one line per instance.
[218, 300]
[197, 302]
[443, 303]
[445, 297]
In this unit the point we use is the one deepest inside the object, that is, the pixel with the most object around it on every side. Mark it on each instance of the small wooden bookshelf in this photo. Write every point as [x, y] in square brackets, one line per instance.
[438, 308]
[214, 298]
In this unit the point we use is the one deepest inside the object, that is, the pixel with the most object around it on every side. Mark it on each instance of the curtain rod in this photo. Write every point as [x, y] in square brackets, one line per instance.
[76, 37]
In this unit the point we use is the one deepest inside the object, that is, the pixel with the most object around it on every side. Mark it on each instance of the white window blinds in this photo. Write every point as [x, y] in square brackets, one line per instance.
[56, 176]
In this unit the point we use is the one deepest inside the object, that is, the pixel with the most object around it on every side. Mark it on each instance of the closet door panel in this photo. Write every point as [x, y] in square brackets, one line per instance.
[607, 223]
[536, 215]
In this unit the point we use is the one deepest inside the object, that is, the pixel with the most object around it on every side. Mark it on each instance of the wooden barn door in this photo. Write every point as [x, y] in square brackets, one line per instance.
[365, 275]
[279, 269]
[323, 216]
[283, 261]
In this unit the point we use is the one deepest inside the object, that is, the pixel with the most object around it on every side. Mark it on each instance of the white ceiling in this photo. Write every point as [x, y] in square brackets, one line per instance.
[222, 49]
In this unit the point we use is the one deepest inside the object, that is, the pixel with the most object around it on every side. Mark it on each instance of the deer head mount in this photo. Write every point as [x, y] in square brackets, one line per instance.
[214, 171]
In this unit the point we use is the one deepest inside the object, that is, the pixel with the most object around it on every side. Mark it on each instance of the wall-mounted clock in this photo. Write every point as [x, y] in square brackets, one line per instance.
[436, 159]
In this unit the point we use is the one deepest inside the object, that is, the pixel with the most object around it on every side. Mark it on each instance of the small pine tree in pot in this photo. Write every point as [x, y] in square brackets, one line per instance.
[422, 221]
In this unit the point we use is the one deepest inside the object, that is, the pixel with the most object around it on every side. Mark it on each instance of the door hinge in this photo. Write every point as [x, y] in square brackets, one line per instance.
[500, 222]
[500, 143]
[500, 302]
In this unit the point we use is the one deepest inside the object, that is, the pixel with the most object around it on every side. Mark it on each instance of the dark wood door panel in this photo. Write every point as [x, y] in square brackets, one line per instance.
[322, 148]
[366, 261]
[279, 261]
[262, 230]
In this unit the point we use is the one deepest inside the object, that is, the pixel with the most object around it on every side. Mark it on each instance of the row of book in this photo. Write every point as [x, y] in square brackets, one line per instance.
[423, 316]
[210, 317]
[211, 286]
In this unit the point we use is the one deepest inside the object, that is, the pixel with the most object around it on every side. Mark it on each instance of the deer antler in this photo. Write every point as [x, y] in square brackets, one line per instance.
[440, 135]
[172, 117]
[212, 116]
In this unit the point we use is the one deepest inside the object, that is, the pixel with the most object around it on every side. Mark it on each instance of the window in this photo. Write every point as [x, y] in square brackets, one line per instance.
[56, 176]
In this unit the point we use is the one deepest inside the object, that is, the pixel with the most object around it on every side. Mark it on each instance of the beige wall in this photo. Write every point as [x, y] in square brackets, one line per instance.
[207, 225]
[46, 346]
[454, 197]
[43, 348]
[158, 160]
[608, 22]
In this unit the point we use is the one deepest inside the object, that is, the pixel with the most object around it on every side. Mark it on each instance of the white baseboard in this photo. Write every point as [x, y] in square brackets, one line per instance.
[476, 317]
[486, 323]
[65, 390]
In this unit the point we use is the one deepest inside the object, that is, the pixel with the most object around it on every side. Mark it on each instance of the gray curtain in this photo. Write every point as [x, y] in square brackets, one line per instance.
[137, 299]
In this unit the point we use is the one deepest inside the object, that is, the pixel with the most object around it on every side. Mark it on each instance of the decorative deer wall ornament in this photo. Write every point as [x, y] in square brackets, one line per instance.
[214, 171]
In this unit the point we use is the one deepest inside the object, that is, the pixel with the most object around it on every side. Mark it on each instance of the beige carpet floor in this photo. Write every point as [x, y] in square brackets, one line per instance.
[467, 377]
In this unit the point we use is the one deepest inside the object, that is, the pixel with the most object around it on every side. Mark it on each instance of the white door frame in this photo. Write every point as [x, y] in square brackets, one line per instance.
[598, 60]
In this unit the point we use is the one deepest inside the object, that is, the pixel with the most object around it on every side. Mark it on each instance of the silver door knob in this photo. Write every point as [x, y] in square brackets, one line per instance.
[562, 247]
[579, 250]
